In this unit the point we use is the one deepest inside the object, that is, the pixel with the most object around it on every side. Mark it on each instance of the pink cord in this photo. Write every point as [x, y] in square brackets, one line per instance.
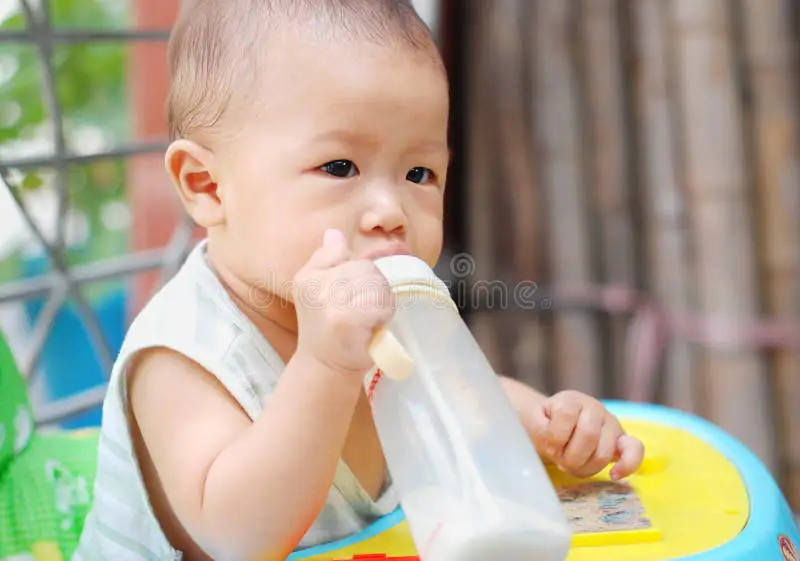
[653, 325]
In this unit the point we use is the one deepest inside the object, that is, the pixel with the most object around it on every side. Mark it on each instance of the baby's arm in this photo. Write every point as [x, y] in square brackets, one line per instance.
[247, 490]
[242, 490]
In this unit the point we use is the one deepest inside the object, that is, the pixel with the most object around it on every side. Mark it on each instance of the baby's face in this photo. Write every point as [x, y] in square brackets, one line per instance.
[349, 136]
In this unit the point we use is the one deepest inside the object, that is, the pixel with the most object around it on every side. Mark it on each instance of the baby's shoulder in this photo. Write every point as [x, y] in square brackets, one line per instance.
[193, 315]
[188, 304]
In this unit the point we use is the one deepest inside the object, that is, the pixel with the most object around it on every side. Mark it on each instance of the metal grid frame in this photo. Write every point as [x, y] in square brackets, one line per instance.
[66, 282]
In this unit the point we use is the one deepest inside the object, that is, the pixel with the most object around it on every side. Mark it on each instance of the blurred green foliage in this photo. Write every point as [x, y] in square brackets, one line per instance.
[90, 81]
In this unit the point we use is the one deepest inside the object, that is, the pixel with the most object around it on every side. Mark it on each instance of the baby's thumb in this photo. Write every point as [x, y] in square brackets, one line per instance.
[537, 424]
[333, 239]
[334, 249]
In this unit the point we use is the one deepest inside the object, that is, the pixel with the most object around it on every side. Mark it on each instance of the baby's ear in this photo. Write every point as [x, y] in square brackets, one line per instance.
[192, 170]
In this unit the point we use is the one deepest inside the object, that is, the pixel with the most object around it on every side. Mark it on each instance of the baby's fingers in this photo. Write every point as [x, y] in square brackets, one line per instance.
[564, 417]
[631, 454]
[585, 438]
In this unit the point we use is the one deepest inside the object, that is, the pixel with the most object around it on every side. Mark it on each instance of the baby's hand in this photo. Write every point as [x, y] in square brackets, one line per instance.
[340, 302]
[578, 434]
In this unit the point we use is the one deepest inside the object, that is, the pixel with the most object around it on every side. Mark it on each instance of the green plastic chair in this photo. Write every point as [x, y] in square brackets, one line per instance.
[46, 478]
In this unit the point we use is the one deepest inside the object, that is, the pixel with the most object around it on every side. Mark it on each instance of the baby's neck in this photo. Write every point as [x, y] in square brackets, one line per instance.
[277, 320]
[277, 323]
[279, 330]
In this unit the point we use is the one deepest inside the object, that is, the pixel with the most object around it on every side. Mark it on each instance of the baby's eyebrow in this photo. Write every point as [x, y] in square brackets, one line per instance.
[346, 136]
[351, 137]
[435, 147]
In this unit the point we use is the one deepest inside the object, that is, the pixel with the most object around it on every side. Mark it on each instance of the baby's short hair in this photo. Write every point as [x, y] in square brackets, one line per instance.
[214, 42]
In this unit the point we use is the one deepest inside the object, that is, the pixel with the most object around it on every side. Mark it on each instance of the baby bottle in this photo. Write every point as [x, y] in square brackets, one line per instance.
[470, 481]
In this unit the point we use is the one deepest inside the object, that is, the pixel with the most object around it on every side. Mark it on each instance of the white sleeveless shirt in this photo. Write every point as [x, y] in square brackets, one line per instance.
[194, 315]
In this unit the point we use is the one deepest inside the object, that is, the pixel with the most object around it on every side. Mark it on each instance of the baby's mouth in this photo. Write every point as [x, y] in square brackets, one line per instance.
[387, 251]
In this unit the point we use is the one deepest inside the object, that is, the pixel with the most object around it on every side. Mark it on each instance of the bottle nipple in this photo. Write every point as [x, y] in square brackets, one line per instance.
[390, 356]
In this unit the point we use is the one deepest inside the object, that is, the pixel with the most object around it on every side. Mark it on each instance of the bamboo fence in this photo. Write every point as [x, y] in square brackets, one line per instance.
[639, 160]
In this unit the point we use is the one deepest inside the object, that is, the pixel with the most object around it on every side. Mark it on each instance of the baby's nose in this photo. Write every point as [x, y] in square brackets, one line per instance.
[385, 212]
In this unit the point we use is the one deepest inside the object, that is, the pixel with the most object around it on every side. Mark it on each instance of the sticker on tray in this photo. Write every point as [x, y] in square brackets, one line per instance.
[603, 506]
[788, 549]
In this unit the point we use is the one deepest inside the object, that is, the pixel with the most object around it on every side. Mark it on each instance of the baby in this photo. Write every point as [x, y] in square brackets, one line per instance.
[309, 138]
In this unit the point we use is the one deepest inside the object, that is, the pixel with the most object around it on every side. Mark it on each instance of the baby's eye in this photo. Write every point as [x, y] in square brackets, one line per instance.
[419, 175]
[340, 168]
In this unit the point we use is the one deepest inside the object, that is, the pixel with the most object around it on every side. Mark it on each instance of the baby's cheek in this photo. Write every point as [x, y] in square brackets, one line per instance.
[428, 241]
[273, 265]
[297, 250]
